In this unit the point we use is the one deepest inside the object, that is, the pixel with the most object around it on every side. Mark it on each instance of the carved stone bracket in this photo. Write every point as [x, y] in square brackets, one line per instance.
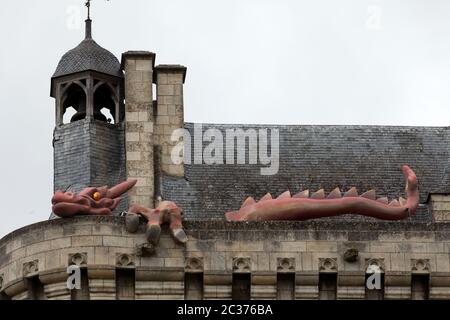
[31, 268]
[78, 259]
[374, 264]
[351, 255]
[1, 281]
[286, 264]
[242, 265]
[145, 250]
[328, 265]
[420, 265]
[124, 260]
[194, 265]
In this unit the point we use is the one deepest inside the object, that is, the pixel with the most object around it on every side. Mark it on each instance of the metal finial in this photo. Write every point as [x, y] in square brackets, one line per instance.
[88, 21]
[88, 5]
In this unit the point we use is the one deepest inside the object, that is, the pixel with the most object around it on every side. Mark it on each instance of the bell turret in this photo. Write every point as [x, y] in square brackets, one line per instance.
[89, 136]
[89, 79]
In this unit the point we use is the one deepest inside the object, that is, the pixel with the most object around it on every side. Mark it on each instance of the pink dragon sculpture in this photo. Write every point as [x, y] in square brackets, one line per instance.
[104, 200]
[90, 201]
[302, 206]
[166, 212]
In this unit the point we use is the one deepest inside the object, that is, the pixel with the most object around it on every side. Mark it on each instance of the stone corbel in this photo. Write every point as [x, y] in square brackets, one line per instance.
[194, 265]
[31, 269]
[374, 264]
[285, 265]
[78, 259]
[420, 266]
[328, 265]
[124, 260]
[242, 265]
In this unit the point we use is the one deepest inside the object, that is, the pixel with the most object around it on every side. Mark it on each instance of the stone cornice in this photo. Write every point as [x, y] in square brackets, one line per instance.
[213, 226]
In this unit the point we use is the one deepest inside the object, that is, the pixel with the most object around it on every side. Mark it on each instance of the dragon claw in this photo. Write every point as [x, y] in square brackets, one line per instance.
[153, 233]
[132, 222]
[179, 235]
[166, 212]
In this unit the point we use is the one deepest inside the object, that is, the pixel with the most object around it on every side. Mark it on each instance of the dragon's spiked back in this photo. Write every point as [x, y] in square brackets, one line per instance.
[304, 206]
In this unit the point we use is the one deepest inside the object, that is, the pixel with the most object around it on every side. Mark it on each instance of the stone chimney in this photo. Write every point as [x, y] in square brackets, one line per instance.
[169, 114]
[139, 122]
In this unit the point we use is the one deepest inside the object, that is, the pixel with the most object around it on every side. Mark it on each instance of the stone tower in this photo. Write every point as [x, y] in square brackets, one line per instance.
[89, 147]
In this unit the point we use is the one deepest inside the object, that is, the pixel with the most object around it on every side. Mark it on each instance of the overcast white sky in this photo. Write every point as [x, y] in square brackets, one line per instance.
[249, 61]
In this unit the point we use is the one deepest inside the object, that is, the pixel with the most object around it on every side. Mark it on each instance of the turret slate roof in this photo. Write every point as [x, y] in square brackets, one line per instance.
[88, 55]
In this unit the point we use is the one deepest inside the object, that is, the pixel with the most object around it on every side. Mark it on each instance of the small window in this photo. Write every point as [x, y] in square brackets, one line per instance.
[83, 293]
[241, 286]
[125, 284]
[374, 286]
[35, 289]
[193, 286]
[420, 286]
[286, 286]
[327, 286]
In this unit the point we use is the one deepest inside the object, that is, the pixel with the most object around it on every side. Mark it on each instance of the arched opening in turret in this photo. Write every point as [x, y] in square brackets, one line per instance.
[105, 103]
[74, 99]
[68, 114]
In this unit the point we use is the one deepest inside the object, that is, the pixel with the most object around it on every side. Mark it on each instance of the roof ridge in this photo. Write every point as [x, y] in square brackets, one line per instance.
[316, 125]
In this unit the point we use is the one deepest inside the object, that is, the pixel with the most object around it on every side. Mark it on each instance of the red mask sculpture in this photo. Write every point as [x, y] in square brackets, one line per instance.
[90, 201]
[166, 212]
[303, 207]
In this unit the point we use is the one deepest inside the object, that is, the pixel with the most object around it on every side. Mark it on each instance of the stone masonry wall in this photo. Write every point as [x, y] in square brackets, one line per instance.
[138, 68]
[170, 113]
[218, 250]
[440, 205]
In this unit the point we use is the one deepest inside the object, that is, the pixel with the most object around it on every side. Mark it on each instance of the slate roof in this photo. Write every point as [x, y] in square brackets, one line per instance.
[314, 157]
[88, 55]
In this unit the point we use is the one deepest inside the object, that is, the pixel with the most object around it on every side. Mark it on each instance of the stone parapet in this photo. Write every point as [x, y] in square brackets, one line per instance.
[33, 260]
[440, 206]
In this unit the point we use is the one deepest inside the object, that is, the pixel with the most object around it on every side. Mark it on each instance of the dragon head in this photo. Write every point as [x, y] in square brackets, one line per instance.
[90, 201]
